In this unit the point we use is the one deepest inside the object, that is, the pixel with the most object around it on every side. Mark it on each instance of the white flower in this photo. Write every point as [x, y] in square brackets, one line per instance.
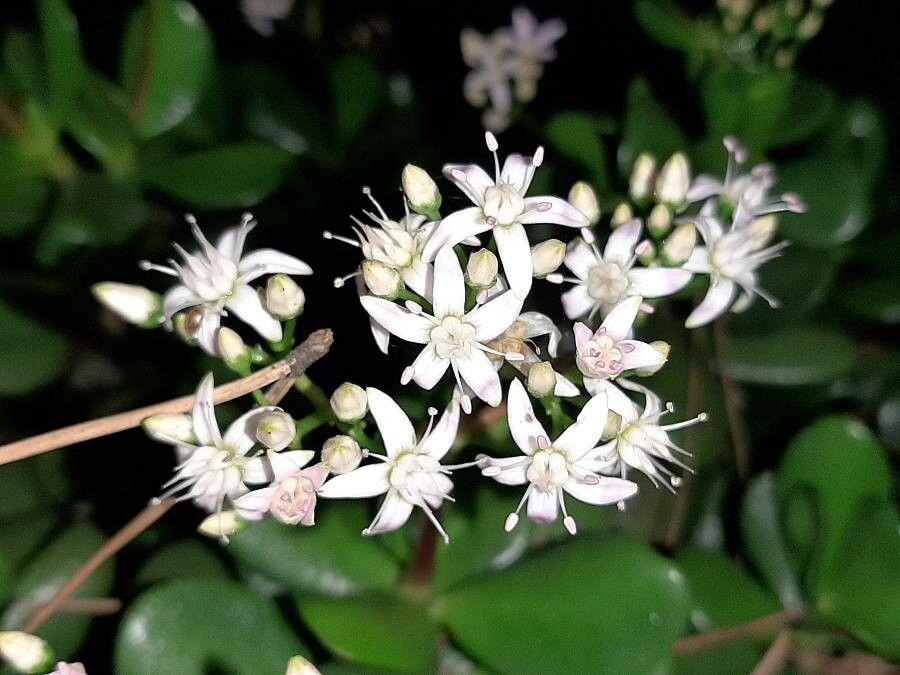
[503, 208]
[642, 443]
[25, 652]
[488, 82]
[135, 304]
[410, 473]
[604, 280]
[217, 278]
[531, 43]
[608, 352]
[291, 497]
[262, 14]
[452, 337]
[63, 668]
[550, 469]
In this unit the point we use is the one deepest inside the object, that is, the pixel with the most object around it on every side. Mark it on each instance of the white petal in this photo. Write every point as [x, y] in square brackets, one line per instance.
[619, 321]
[443, 433]
[524, 425]
[580, 258]
[449, 294]
[269, 261]
[396, 430]
[254, 505]
[381, 336]
[698, 262]
[657, 282]
[602, 459]
[652, 402]
[206, 429]
[709, 227]
[231, 243]
[564, 387]
[475, 181]
[477, 372]
[542, 506]
[494, 316]
[429, 368]
[620, 246]
[453, 229]
[642, 355]
[207, 331]
[560, 212]
[392, 514]
[703, 187]
[537, 324]
[715, 303]
[366, 481]
[585, 433]
[275, 466]
[178, 298]
[582, 335]
[615, 397]
[513, 470]
[515, 253]
[397, 320]
[577, 302]
[517, 172]
[241, 434]
[607, 491]
[419, 276]
[248, 307]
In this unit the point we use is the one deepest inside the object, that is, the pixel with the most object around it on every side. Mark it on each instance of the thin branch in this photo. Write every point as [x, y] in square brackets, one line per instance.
[776, 656]
[88, 606]
[733, 398]
[312, 349]
[756, 628]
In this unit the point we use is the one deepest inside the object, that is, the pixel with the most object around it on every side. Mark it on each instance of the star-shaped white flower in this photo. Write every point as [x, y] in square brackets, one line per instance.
[642, 443]
[453, 338]
[550, 469]
[217, 278]
[410, 473]
[501, 206]
[603, 280]
[609, 351]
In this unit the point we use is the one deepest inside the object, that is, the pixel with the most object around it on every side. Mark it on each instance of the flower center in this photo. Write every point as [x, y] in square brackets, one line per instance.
[607, 283]
[502, 204]
[414, 475]
[601, 356]
[453, 337]
[548, 469]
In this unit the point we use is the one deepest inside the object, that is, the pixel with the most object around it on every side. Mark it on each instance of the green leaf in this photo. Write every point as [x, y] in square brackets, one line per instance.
[21, 203]
[189, 625]
[666, 23]
[31, 355]
[24, 63]
[378, 631]
[576, 135]
[99, 122]
[66, 70]
[811, 106]
[722, 594]
[331, 559]
[648, 127]
[873, 299]
[726, 659]
[841, 464]
[178, 560]
[358, 91]
[801, 355]
[587, 606]
[231, 176]
[46, 573]
[167, 59]
[764, 539]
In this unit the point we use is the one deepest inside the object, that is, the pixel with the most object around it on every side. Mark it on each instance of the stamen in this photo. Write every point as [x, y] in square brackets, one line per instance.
[434, 521]
[413, 306]
[492, 145]
[643, 247]
[543, 206]
[620, 505]
[482, 297]
[543, 442]
[367, 191]
[675, 481]
[339, 282]
[555, 278]
[347, 240]
[513, 518]
[702, 417]
[458, 174]
[147, 266]
[538, 158]
[490, 220]
[647, 309]
[407, 375]
[588, 235]
[246, 218]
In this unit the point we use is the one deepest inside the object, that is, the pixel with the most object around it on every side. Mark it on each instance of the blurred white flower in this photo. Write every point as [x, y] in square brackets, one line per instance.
[531, 43]
[25, 652]
[262, 14]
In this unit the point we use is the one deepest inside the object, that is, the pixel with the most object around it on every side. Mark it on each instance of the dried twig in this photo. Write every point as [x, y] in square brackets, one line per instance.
[776, 656]
[89, 606]
[733, 398]
[755, 628]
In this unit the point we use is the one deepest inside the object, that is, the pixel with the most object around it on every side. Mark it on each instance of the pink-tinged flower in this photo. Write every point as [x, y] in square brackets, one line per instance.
[63, 668]
[554, 468]
[609, 351]
[603, 280]
[453, 338]
[291, 498]
[410, 474]
[502, 207]
[217, 279]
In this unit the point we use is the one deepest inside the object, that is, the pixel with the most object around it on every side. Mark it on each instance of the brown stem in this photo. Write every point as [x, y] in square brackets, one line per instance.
[733, 398]
[89, 606]
[423, 562]
[776, 656]
[312, 349]
[722, 636]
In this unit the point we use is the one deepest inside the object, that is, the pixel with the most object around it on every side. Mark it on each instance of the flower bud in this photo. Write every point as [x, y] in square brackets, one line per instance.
[381, 280]
[341, 454]
[421, 191]
[659, 222]
[622, 214]
[170, 427]
[583, 198]
[284, 298]
[135, 304]
[481, 270]
[673, 180]
[541, 379]
[547, 256]
[679, 245]
[663, 348]
[276, 430]
[641, 182]
[222, 524]
[233, 350]
[300, 666]
[810, 25]
[646, 252]
[24, 652]
[762, 229]
[612, 426]
[349, 402]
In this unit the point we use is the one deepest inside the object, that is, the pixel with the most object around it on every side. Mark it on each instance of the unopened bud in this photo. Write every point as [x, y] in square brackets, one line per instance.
[135, 304]
[25, 652]
[810, 25]
[481, 270]
[300, 666]
[583, 198]
[233, 350]
[381, 280]
[646, 252]
[621, 214]
[276, 430]
[793, 9]
[349, 402]
[547, 256]
[641, 183]
[762, 229]
[222, 524]
[341, 454]
[421, 191]
[679, 245]
[284, 298]
[659, 222]
[612, 426]
[170, 427]
[541, 379]
[673, 180]
[663, 348]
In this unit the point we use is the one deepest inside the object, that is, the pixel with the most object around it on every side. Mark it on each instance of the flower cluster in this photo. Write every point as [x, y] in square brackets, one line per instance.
[507, 64]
